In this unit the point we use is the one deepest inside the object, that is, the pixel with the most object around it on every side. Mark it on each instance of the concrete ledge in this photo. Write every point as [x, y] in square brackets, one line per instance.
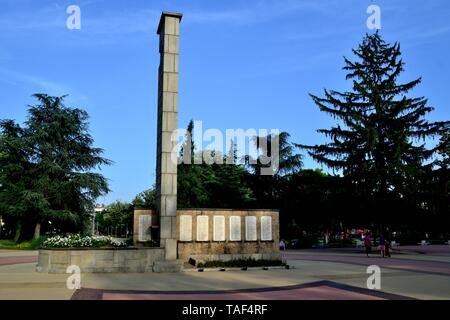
[131, 260]
[168, 266]
[235, 269]
[202, 258]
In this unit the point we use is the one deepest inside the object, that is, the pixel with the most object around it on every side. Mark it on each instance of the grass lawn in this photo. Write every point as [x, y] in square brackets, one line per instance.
[11, 245]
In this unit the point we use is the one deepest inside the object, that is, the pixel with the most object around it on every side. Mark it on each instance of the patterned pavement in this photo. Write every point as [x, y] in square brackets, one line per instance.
[417, 272]
[320, 290]
[404, 264]
[10, 260]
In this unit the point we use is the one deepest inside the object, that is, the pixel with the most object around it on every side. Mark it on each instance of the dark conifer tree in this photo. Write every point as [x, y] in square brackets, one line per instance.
[47, 166]
[379, 141]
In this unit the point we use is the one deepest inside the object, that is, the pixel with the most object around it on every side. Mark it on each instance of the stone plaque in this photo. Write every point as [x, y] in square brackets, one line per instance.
[185, 228]
[235, 228]
[219, 228]
[202, 228]
[145, 224]
[266, 228]
[250, 228]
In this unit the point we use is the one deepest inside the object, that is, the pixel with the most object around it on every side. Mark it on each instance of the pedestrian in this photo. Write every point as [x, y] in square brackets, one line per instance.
[368, 244]
[388, 243]
[382, 245]
[388, 248]
[282, 245]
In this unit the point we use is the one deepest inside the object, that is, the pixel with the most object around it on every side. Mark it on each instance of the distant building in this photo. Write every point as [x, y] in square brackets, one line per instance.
[99, 207]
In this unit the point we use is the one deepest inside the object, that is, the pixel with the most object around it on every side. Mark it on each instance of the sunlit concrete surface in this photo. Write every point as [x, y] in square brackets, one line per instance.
[313, 274]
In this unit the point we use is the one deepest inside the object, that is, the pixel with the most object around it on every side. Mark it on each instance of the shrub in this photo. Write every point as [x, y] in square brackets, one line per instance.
[78, 241]
[344, 243]
[240, 263]
[12, 245]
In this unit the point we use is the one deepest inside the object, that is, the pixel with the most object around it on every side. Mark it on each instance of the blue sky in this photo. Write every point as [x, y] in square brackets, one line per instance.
[243, 64]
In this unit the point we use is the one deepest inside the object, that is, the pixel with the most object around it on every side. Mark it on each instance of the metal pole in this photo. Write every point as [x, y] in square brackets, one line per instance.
[93, 223]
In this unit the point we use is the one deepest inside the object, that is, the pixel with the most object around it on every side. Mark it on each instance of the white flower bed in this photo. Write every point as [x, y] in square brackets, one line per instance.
[78, 241]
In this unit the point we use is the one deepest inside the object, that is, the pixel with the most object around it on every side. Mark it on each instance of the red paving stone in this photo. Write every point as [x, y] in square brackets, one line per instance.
[433, 267]
[435, 250]
[313, 293]
[319, 290]
[323, 290]
[16, 260]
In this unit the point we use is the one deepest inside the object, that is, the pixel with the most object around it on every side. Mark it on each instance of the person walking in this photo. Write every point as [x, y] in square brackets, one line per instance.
[368, 244]
[282, 245]
[388, 245]
[382, 245]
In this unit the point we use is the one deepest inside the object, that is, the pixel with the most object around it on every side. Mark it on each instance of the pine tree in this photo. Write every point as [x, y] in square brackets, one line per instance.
[192, 191]
[56, 163]
[379, 141]
[15, 174]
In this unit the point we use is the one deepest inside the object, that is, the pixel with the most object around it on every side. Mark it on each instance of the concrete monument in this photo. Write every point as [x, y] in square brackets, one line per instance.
[166, 165]
[182, 235]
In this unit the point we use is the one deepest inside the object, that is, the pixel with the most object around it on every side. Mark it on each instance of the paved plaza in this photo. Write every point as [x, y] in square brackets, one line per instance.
[412, 273]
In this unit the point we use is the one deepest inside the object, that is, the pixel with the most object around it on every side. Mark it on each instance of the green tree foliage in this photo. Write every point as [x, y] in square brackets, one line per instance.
[47, 166]
[117, 215]
[435, 188]
[15, 174]
[267, 188]
[146, 199]
[289, 162]
[210, 185]
[443, 150]
[379, 141]
[191, 188]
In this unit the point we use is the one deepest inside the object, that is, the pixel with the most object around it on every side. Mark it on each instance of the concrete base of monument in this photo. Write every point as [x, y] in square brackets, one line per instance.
[102, 260]
[202, 258]
[168, 266]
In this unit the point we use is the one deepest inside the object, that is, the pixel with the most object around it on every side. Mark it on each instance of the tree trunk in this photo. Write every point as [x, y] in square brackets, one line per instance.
[37, 230]
[18, 230]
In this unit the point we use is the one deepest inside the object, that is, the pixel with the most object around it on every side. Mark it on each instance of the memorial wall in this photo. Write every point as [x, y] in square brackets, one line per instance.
[217, 234]
[225, 234]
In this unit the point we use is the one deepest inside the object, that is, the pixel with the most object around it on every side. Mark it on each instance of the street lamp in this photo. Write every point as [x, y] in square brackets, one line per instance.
[1, 226]
[93, 223]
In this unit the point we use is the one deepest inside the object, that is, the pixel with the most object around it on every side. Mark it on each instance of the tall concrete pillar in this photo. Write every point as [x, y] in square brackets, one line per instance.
[166, 166]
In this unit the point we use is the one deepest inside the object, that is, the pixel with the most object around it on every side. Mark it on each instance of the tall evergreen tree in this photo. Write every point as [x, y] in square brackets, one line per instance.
[379, 141]
[192, 191]
[15, 174]
[57, 159]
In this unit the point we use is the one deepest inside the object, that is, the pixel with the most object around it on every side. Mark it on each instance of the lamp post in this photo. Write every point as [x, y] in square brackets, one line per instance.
[93, 223]
[1, 226]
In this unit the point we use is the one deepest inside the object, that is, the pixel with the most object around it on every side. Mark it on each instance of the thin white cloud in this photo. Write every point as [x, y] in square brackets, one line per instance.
[124, 24]
[15, 77]
[38, 84]
[429, 34]
[139, 20]
[259, 12]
